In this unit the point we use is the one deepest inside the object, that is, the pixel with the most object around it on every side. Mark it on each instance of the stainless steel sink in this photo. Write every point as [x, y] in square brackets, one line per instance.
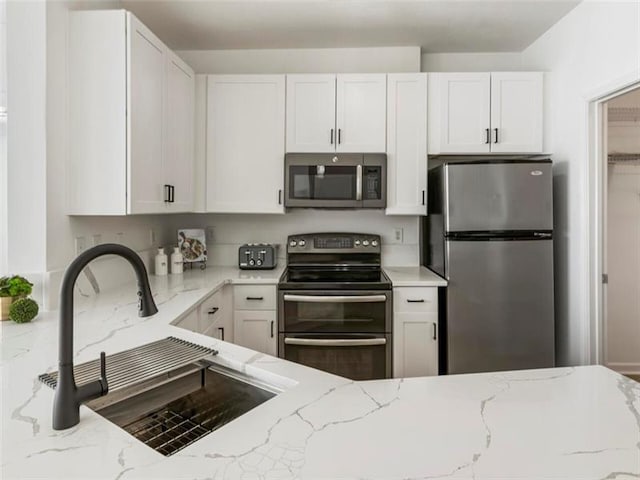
[182, 406]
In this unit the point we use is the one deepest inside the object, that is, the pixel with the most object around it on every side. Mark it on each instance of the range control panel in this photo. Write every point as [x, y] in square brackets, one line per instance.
[333, 243]
[257, 256]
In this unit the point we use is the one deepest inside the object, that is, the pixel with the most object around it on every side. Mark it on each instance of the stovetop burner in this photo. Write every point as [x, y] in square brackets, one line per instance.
[331, 261]
[335, 278]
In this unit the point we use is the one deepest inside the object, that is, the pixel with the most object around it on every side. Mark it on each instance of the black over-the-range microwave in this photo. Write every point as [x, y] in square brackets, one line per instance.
[335, 180]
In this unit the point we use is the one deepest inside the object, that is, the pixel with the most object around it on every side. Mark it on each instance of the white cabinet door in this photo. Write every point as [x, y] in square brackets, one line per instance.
[516, 112]
[415, 344]
[311, 113]
[179, 146]
[245, 143]
[146, 66]
[190, 321]
[256, 329]
[462, 103]
[361, 112]
[406, 144]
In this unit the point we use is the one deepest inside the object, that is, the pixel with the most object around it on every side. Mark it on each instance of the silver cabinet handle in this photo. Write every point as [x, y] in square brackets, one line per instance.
[488, 132]
[340, 342]
[255, 298]
[409, 300]
[331, 136]
[271, 328]
[335, 298]
[213, 311]
[496, 139]
[339, 135]
[359, 182]
[435, 331]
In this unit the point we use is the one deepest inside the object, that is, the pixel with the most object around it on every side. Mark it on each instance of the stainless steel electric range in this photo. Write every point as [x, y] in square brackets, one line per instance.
[335, 305]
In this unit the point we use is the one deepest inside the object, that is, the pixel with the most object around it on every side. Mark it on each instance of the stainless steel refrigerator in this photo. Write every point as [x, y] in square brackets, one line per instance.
[489, 232]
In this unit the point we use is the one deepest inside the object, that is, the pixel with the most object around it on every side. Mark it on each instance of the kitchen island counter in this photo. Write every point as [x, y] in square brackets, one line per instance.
[568, 423]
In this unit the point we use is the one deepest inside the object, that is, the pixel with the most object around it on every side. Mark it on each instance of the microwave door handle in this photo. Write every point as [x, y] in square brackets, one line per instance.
[335, 298]
[358, 183]
[339, 342]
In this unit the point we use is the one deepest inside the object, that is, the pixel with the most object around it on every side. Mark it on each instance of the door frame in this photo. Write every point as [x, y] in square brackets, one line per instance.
[595, 338]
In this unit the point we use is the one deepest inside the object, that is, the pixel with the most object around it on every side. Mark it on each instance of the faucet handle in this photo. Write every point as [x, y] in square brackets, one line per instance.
[103, 373]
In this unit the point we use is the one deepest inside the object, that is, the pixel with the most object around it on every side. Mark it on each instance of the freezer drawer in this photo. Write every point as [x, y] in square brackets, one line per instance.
[500, 313]
[498, 197]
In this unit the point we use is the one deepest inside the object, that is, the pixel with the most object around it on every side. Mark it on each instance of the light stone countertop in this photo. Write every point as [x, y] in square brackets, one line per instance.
[414, 277]
[563, 423]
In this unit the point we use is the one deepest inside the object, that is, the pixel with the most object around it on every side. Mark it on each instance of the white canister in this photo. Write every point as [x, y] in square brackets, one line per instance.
[161, 263]
[177, 260]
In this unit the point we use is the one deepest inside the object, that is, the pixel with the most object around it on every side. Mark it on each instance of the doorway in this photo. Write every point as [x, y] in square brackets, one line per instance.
[620, 249]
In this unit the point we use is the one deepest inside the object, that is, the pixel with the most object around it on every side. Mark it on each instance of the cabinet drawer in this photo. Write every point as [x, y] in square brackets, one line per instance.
[415, 299]
[254, 297]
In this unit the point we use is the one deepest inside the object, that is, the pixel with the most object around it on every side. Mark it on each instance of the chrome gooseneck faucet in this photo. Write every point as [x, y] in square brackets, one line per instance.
[68, 396]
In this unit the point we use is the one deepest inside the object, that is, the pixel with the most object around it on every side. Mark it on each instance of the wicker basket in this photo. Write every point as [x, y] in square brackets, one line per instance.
[5, 303]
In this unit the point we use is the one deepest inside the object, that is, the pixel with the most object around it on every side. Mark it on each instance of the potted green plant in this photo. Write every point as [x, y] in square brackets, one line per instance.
[11, 289]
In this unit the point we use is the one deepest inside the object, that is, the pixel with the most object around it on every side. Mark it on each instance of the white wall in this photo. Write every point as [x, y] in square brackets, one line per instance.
[471, 62]
[593, 46]
[3, 138]
[305, 60]
[231, 231]
[26, 138]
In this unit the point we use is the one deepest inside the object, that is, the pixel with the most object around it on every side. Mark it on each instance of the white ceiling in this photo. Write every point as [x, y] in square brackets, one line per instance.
[434, 25]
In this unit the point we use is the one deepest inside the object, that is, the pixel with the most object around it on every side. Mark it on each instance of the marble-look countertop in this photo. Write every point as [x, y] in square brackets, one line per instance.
[563, 423]
[414, 277]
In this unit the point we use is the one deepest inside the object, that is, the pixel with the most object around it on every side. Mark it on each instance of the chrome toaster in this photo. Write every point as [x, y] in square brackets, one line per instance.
[257, 256]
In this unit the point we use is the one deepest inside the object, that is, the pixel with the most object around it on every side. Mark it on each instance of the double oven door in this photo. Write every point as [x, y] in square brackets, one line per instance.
[347, 333]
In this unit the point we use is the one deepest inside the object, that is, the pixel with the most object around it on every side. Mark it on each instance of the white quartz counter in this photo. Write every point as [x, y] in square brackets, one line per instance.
[414, 277]
[565, 423]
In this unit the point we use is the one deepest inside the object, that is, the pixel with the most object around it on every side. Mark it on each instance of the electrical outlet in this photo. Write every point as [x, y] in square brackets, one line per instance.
[152, 237]
[97, 239]
[81, 245]
[398, 235]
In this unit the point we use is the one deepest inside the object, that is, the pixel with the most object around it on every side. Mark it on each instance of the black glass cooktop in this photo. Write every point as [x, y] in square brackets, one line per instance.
[356, 278]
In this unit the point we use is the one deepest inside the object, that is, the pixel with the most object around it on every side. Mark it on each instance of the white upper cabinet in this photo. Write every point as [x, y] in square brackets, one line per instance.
[311, 113]
[361, 112]
[130, 117]
[460, 103]
[336, 113]
[485, 112]
[406, 144]
[179, 137]
[516, 112]
[146, 67]
[245, 143]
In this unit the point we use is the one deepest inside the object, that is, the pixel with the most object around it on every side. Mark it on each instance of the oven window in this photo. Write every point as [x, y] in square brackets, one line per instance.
[320, 182]
[309, 313]
[365, 362]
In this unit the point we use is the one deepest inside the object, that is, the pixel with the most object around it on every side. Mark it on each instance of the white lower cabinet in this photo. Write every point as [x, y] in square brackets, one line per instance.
[415, 332]
[215, 315]
[255, 319]
[212, 317]
[256, 329]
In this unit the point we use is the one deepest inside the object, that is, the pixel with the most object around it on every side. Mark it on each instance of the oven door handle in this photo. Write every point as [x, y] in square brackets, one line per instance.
[359, 183]
[339, 342]
[335, 298]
